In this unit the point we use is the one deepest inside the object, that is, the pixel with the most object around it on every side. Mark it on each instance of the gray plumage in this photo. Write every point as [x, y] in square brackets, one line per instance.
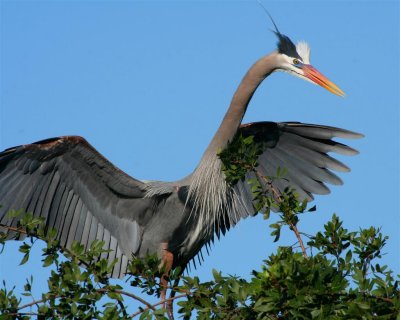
[84, 197]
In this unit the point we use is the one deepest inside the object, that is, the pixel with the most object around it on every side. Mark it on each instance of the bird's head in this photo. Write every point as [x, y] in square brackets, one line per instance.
[295, 59]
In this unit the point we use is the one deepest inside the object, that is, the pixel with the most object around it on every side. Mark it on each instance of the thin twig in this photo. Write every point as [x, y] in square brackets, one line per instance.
[128, 294]
[170, 304]
[278, 197]
[297, 233]
[158, 303]
[37, 302]
[13, 229]
[101, 290]
[276, 193]
[19, 314]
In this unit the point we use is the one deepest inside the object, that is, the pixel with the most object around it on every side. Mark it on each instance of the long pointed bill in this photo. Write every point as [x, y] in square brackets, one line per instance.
[318, 78]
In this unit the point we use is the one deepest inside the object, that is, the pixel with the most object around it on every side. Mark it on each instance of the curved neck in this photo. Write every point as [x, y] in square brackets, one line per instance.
[240, 100]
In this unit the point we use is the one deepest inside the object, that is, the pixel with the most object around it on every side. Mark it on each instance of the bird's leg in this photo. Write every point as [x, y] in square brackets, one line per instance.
[167, 260]
[170, 302]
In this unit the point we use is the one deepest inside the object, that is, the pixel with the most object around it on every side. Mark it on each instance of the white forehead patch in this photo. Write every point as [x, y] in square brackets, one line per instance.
[303, 50]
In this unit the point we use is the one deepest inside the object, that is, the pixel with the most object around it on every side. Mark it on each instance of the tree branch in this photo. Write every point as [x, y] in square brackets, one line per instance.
[278, 197]
[128, 294]
[13, 229]
[158, 303]
[298, 236]
[37, 302]
[101, 290]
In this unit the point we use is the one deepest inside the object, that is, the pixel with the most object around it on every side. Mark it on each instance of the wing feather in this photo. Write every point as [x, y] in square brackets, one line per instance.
[68, 217]
[78, 192]
[92, 232]
[323, 146]
[86, 229]
[81, 224]
[106, 239]
[39, 212]
[274, 163]
[303, 150]
[51, 193]
[55, 204]
[303, 178]
[117, 267]
[74, 223]
[318, 131]
[113, 248]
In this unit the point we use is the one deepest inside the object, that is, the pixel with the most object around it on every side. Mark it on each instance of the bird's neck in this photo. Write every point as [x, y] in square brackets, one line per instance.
[210, 196]
[240, 101]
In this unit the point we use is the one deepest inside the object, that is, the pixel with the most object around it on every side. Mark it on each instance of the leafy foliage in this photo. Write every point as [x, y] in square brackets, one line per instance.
[239, 158]
[333, 274]
[342, 280]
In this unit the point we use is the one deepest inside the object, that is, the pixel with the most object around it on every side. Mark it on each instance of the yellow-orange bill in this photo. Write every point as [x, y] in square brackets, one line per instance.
[315, 76]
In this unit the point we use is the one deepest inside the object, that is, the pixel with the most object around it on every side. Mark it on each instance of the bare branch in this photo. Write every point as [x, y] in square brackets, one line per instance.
[37, 302]
[159, 303]
[278, 197]
[128, 294]
[298, 236]
[14, 229]
[101, 290]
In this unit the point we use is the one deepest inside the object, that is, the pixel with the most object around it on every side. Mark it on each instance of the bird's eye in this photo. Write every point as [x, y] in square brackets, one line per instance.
[296, 61]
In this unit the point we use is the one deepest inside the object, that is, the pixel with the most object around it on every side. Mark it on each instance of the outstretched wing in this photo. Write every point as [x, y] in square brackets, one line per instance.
[302, 150]
[78, 192]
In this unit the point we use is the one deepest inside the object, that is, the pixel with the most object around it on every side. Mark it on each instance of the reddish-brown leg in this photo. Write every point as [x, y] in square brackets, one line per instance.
[167, 261]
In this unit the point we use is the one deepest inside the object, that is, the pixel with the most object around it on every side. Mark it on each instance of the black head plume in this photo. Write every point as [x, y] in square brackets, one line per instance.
[285, 45]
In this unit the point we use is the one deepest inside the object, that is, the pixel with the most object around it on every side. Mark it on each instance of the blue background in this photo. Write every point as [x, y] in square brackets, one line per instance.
[147, 84]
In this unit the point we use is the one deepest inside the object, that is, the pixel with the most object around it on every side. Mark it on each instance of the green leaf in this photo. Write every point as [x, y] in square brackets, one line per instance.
[316, 313]
[349, 255]
[13, 213]
[216, 275]
[48, 261]
[312, 209]
[145, 315]
[277, 231]
[114, 295]
[24, 248]
[363, 306]
[24, 259]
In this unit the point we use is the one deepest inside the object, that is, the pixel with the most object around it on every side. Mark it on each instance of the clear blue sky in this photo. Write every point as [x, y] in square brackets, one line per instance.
[147, 84]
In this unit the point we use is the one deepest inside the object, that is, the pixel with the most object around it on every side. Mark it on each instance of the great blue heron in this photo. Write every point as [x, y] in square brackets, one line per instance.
[84, 197]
